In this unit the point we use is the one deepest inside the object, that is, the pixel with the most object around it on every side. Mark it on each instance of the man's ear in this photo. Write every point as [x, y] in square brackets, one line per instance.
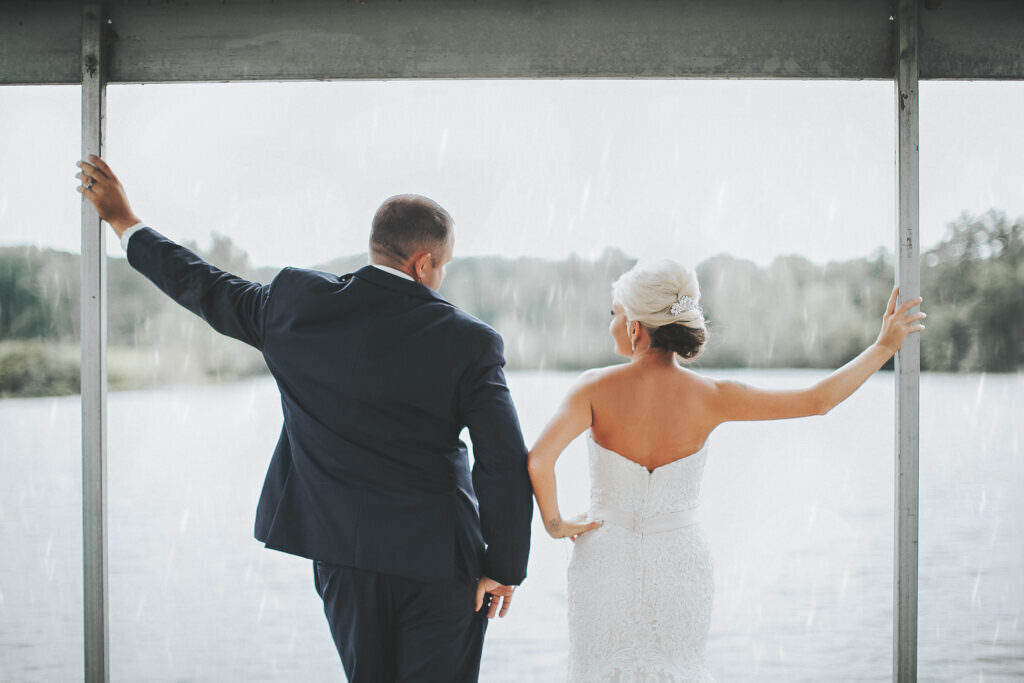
[420, 261]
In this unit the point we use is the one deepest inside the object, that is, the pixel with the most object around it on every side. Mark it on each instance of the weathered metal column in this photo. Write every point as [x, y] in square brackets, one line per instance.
[908, 360]
[94, 363]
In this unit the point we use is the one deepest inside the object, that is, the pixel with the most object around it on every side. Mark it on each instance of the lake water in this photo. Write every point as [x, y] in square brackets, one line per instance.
[799, 515]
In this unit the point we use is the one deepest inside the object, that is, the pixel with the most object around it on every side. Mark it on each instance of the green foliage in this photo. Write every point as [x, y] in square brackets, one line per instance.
[552, 314]
[793, 313]
[973, 284]
[38, 293]
[34, 369]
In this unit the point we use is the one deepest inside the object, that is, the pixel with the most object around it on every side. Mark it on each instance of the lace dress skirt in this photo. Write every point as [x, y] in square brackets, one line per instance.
[639, 606]
[641, 585]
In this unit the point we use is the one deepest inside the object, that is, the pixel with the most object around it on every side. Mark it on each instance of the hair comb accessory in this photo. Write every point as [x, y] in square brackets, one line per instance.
[685, 303]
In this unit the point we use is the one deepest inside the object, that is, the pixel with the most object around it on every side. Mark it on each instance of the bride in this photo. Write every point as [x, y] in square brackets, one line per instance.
[640, 578]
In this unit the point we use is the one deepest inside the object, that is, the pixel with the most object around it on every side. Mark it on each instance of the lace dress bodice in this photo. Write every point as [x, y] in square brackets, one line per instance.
[620, 488]
[641, 585]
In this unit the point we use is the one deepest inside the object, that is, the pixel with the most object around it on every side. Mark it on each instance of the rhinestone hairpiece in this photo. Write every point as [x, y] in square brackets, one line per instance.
[685, 303]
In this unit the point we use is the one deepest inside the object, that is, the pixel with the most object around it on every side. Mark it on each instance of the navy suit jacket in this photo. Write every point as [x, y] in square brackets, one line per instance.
[378, 376]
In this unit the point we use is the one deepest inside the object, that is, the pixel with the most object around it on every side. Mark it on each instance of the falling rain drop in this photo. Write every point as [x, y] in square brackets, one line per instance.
[442, 148]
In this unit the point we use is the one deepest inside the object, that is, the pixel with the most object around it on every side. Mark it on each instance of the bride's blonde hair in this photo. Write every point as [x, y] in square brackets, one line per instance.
[664, 297]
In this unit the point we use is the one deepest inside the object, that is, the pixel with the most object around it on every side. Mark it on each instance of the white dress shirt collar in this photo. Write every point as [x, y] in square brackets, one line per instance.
[393, 271]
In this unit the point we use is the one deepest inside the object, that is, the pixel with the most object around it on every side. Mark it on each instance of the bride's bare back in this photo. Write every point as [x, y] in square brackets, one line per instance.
[652, 415]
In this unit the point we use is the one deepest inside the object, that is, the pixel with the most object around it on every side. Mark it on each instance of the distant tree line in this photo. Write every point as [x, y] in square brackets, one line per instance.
[552, 314]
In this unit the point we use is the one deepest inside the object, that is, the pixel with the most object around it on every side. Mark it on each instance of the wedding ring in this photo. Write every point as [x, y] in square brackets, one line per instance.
[92, 181]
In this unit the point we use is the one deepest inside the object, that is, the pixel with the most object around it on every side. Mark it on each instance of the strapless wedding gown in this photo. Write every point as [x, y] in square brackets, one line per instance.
[641, 585]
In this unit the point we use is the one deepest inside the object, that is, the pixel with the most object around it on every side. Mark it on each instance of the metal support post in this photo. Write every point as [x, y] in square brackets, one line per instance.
[908, 360]
[94, 364]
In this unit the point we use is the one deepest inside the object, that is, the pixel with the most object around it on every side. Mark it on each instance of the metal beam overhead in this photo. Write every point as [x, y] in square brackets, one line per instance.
[225, 40]
[971, 39]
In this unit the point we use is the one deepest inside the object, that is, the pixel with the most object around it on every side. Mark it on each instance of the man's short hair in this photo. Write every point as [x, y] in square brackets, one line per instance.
[407, 222]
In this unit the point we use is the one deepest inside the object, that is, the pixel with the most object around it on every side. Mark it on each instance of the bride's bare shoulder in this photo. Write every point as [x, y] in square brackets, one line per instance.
[696, 385]
[595, 379]
[594, 375]
[613, 379]
[685, 374]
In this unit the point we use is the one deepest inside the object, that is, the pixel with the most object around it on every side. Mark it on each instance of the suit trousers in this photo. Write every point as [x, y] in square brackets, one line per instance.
[389, 628]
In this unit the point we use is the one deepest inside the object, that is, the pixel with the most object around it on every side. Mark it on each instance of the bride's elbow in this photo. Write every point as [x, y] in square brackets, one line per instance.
[818, 403]
[535, 464]
[825, 406]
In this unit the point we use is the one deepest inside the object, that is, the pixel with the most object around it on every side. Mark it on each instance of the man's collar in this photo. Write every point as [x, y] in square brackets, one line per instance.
[405, 285]
[393, 271]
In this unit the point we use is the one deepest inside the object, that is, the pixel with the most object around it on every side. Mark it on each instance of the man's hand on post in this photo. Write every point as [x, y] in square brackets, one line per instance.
[101, 187]
[501, 595]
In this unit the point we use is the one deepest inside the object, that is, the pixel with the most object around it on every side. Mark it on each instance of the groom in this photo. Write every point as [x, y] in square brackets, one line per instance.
[378, 376]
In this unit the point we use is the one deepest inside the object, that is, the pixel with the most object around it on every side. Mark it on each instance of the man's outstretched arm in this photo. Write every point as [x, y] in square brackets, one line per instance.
[230, 304]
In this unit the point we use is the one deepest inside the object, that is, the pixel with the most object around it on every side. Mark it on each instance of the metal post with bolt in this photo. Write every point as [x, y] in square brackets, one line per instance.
[94, 364]
[908, 359]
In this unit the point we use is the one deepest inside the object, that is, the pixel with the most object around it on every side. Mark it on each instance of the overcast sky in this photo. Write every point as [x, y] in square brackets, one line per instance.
[687, 169]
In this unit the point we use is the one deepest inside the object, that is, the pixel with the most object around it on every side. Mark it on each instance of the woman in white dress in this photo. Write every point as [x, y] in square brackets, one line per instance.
[640, 578]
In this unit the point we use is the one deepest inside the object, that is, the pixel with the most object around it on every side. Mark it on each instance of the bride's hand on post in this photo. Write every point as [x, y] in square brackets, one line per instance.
[571, 528]
[897, 323]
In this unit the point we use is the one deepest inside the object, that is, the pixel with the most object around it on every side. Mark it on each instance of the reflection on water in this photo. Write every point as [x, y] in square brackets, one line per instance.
[799, 515]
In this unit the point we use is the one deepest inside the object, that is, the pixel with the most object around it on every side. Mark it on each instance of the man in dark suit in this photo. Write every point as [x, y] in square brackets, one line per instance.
[378, 376]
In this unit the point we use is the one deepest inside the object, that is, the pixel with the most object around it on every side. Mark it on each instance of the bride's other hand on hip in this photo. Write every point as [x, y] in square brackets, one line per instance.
[570, 528]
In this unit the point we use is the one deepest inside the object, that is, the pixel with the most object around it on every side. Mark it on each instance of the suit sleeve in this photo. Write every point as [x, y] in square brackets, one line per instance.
[500, 477]
[231, 305]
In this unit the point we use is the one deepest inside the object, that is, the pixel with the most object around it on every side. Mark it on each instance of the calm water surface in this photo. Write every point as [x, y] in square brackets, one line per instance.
[799, 515]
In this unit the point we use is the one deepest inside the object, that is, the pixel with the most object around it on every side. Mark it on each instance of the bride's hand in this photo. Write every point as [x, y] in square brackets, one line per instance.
[571, 528]
[896, 324]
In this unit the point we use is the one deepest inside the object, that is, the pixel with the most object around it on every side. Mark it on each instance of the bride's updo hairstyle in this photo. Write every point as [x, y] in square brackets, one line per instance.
[664, 297]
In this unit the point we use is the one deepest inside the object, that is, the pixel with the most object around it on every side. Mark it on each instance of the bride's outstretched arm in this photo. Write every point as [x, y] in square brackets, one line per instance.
[737, 401]
[571, 419]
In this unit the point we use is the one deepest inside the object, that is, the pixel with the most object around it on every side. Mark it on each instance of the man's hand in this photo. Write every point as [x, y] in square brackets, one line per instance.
[101, 187]
[500, 595]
